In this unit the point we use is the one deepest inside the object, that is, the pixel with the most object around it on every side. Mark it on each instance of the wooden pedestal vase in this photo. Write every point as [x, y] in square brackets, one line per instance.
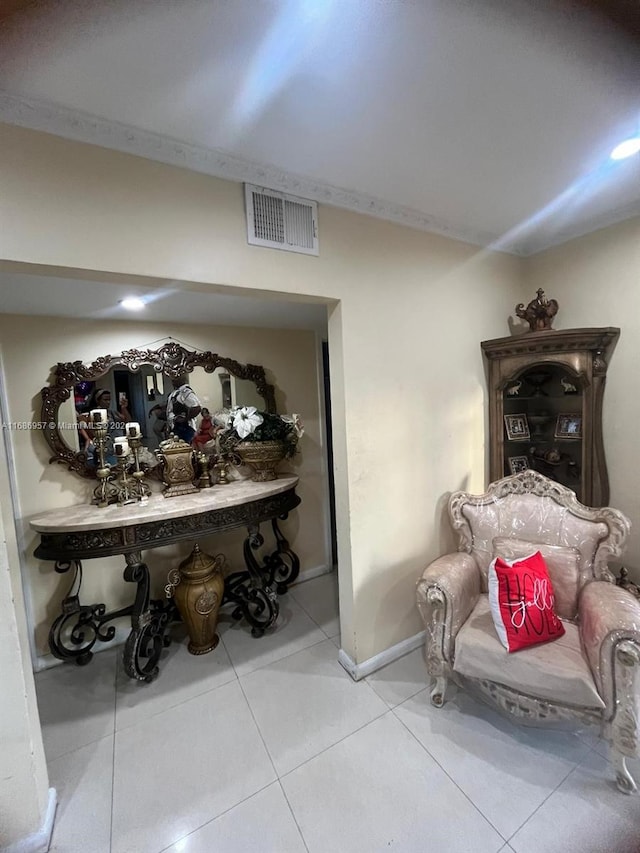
[198, 587]
[262, 456]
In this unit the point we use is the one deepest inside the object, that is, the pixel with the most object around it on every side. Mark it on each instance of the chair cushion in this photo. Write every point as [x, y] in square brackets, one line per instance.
[522, 602]
[562, 563]
[554, 671]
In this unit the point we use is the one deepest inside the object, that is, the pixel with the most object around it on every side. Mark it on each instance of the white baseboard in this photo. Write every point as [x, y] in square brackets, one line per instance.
[315, 572]
[357, 671]
[37, 842]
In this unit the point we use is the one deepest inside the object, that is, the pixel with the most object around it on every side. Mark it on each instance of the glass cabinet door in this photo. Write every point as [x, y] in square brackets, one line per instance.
[544, 424]
[546, 397]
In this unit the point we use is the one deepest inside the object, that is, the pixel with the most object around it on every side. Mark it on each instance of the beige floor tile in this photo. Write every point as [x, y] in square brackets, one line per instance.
[77, 703]
[398, 681]
[378, 790]
[183, 767]
[586, 814]
[507, 771]
[319, 599]
[262, 823]
[182, 676]
[306, 703]
[83, 781]
[293, 632]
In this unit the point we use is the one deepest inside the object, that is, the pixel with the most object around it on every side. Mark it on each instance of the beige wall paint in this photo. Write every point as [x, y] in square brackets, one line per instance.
[31, 346]
[407, 373]
[596, 280]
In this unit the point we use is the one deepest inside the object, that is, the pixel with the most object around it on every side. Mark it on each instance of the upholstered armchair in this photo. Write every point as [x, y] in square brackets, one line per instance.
[592, 673]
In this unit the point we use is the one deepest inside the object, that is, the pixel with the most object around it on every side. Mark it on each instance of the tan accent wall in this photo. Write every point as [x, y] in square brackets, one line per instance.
[409, 398]
[596, 280]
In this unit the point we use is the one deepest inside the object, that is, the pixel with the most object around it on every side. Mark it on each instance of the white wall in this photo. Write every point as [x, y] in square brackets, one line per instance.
[23, 773]
[31, 346]
[596, 280]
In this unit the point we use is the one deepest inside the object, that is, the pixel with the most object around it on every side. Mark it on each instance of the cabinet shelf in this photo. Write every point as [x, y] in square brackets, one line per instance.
[542, 365]
[538, 397]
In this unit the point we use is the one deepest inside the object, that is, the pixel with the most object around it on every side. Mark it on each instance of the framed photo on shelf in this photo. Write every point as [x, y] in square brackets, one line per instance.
[517, 427]
[518, 464]
[569, 426]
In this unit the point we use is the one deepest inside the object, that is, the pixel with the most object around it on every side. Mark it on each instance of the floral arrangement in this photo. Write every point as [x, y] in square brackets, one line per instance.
[246, 423]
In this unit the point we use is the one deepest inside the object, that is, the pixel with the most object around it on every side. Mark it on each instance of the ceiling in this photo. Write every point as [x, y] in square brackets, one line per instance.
[487, 120]
[165, 302]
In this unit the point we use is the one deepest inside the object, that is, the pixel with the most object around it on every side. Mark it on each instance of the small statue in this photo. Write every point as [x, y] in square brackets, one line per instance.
[539, 313]
[514, 390]
[568, 387]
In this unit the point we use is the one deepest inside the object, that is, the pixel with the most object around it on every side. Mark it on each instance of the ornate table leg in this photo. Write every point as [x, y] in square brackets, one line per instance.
[250, 590]
[149, 623]
[74, 633]
[283, 565]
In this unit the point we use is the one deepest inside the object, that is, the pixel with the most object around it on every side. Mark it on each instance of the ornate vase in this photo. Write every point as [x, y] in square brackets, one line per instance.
[177, 472]
[262, 456]
[197, 586]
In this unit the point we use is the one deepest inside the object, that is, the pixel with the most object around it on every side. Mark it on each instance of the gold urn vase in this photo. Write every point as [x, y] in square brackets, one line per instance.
[262, 456]
[197, 586]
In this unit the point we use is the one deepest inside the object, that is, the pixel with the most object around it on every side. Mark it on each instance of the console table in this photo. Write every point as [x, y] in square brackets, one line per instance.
[73, 534]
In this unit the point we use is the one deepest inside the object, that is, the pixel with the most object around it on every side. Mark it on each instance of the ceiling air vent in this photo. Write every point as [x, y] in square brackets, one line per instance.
[280, 221]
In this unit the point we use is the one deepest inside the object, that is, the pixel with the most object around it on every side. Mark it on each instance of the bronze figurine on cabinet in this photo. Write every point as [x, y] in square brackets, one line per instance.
[539, 313]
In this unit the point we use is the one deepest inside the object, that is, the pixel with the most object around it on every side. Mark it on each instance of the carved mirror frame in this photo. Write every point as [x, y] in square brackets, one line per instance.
[171, 359]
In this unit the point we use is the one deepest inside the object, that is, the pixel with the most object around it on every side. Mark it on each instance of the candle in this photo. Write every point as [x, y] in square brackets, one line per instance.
[98, 415]
[133, 429]
[121, 446]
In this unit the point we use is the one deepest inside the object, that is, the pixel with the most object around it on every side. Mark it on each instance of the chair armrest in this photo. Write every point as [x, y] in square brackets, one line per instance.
[446, 594]
[609, 620]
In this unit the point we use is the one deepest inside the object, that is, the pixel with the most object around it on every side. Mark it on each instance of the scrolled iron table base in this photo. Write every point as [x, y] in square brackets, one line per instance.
[254, 592]
[75, 632]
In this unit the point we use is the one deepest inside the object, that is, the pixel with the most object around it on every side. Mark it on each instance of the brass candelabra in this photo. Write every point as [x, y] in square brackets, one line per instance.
[105, 492]
[117, 483]
[142, 489]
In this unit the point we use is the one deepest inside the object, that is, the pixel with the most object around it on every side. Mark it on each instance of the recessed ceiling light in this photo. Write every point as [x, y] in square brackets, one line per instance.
[132, 303]
[626, 149]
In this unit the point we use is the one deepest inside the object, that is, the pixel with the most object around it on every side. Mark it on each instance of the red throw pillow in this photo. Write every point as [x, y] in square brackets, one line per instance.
[522, 602]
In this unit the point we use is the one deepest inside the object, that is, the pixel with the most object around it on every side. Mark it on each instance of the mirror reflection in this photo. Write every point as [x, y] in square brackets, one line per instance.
[155, 401]
[170, 390]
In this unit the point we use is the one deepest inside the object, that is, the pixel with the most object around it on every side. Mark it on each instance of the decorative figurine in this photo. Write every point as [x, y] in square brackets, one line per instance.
[204, 474]
[539, 313]
[514, 389]
[568, 387]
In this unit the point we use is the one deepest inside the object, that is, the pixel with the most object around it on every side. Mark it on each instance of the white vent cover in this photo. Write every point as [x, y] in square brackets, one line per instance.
[280, 221]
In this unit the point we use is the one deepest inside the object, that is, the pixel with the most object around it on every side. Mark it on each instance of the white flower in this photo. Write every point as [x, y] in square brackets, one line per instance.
[246, 420]
[298, 426]
[223, 419]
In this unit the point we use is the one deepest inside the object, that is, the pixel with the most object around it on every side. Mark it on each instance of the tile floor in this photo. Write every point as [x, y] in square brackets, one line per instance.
[268, 746]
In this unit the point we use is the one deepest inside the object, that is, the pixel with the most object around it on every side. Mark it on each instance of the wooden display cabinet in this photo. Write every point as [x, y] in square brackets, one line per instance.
[545, 407]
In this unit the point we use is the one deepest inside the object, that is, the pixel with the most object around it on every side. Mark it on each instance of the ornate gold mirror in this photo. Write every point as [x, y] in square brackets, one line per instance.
[138, 383]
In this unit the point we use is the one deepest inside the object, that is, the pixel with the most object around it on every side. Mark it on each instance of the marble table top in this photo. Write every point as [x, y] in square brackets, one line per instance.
[157, 508]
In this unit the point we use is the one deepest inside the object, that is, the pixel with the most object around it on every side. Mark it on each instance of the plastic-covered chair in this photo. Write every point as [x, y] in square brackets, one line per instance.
[591, 674]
